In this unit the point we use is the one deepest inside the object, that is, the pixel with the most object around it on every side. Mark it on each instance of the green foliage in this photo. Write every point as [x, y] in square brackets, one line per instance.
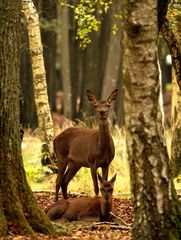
[31, 151]
[86, 22]
[115, 29]
[174, 14]
[86, 15]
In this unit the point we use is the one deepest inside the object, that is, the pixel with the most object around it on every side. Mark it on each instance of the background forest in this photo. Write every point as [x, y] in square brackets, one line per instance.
[53, 52]
[83, 48]
[71, 68]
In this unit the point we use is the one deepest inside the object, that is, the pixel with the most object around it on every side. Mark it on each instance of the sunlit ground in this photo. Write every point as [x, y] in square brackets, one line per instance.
[41, 179]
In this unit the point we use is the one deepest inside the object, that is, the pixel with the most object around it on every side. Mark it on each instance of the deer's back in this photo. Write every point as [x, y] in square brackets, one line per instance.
[74, 209]
[81, 145]
[72, 136]
[83, 208]
[76, 143]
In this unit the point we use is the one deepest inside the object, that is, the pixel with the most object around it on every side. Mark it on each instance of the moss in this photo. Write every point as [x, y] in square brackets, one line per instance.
[62, 232]
[3, 225]
[174, 218]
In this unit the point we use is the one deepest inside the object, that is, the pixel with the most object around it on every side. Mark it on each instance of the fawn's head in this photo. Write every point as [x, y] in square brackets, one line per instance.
[106, 187]
[102, 107]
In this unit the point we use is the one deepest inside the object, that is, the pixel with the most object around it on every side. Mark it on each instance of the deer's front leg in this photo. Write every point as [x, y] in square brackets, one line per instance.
[105, 169]
[94, 178]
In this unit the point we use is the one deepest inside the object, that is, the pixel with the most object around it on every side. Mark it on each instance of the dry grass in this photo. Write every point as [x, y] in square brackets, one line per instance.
[40, 178]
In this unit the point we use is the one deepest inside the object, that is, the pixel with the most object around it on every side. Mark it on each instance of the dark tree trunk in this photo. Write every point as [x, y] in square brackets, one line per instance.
[65, 63]
[90, 77]
[105, 32]
[29, 111]
[17, 203]
[76, 67]
[173, 39]
[112, 68]
[49, 16]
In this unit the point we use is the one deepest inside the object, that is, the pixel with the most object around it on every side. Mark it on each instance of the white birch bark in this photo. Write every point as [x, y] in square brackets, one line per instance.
[39, 79]
[147, 153]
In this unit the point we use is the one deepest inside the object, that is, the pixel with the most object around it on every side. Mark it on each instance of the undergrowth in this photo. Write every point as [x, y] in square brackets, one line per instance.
[41, 177]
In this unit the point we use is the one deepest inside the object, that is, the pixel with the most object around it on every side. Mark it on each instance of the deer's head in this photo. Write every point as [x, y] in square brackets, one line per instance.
[106, 187]
[102, 107]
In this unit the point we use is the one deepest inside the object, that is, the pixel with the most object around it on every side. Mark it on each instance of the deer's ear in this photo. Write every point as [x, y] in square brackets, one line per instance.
[112, 97]
[113, 179]
[91, 97]
[100, 178]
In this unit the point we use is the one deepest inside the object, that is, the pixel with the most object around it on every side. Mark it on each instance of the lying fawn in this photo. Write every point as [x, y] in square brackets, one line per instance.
[95, 208]
[79, 147]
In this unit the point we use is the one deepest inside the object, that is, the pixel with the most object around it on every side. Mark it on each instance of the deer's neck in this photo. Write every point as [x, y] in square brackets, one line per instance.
[104, 135]
[106, 207]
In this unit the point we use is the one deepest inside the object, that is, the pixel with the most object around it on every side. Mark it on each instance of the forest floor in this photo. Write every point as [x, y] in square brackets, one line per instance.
[79, 230]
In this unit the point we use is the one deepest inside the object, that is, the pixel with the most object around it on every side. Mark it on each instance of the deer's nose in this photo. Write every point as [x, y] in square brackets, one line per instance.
[106, 197]
[102, 112]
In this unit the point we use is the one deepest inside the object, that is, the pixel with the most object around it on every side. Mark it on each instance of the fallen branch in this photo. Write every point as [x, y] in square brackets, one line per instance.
[123, 222]
[113, 226]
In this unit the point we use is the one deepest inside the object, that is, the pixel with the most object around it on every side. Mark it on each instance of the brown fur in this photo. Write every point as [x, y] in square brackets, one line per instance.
[79, 147]
[74, 209]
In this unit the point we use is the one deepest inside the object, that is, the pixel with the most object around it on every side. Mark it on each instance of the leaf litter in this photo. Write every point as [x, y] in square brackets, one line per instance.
[84, 230]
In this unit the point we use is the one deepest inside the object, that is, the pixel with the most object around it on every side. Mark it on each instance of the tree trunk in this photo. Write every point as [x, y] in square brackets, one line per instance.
[17, 203]
[75, 65]
[176, 103]
[29, 110]
[154, 202]
[112, 67]
[174, 49]
[104, 39]
[39, 81]
[112, 64]
[119, 104]
[49, 17]
[65, 63]
[90, 77]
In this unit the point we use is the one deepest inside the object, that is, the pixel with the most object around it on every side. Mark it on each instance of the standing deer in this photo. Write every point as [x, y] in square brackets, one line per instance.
[79, 147]
[74, 209]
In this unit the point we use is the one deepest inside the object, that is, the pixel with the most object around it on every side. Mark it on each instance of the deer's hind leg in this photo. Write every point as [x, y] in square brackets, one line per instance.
[62, 162]
[70, 173]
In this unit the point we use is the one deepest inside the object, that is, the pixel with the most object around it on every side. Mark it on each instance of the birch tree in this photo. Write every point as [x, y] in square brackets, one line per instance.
[39, 81]
[157, 212]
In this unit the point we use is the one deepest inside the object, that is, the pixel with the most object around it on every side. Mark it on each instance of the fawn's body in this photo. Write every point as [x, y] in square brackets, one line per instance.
[96, 208]
[79, 147]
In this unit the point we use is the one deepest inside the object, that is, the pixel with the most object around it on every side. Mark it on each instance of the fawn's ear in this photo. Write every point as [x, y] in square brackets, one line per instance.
[91, 97]
[100, 178]
[112, 97]
[113, 179]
